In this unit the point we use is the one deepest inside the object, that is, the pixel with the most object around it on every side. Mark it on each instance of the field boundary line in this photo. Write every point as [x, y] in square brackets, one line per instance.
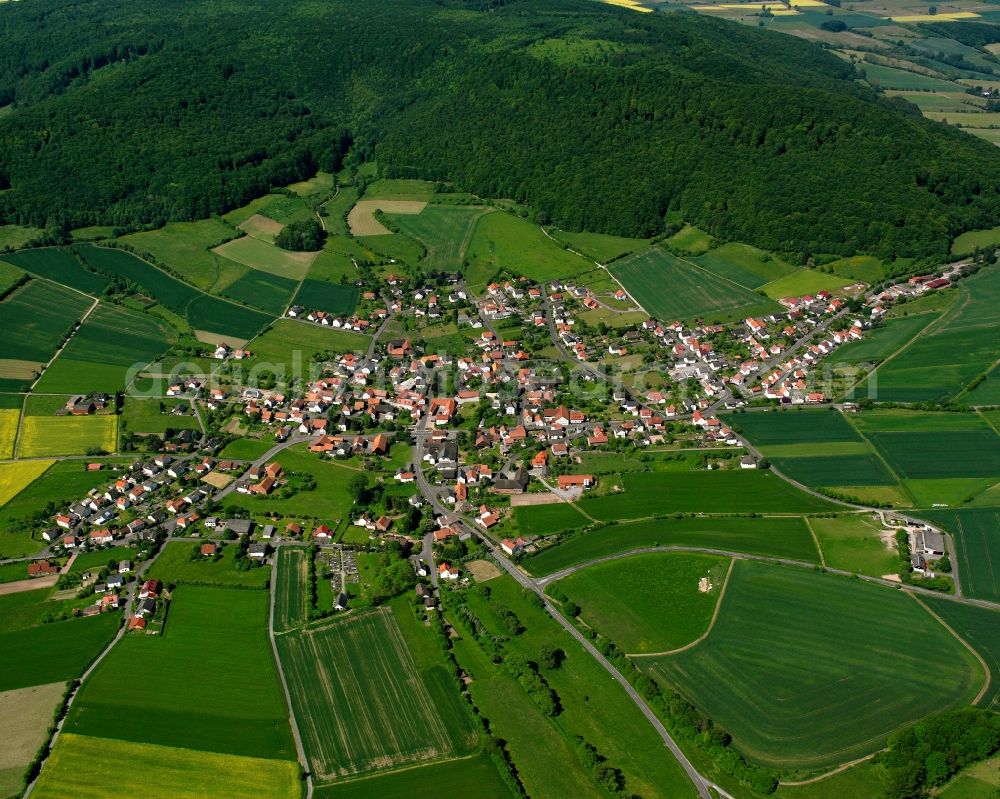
[17, 433]
[815, 538]
[63, 346]
[842, 767]
[711, 623]
[983, 416]
[878, 454]
[963, 642]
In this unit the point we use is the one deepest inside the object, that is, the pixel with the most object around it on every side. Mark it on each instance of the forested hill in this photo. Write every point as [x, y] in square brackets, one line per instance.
[134, 111]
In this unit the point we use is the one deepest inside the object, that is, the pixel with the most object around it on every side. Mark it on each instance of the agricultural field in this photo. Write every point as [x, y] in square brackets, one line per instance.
[851, 542]
[469, 776]
[9, 275]
[281, 207]
[175, 565]
[262, 290]
[143, 415]
[548, 519]
[82, 766]
[889, 78]
[27, 714]
[804, 281]
[59, 265]
[332, 266]
[291, 346]
[864, 268]
[928, 370]
[977, 541]
[330, 500]
[502, 240]
[245, 449]
[776, 642]
[979, 627]
[9, 418]
[728, 491]
[16, 236]
[110, 347]
[397, 247]
[98, 558]
[55, 652]
[261, 227]
[202, 311]
[602, 247]
[880, 343]
[776, 536]
[266, 257]
[695, 293]
[359, 700]
[743, 264]
[290, 588]
[334, 298]
[361, 218]
[649, 603]
[401, 189]
[209, 682]
[979, 781]
[43, 436]
[43, 313]
[185, 249]
[691, 240]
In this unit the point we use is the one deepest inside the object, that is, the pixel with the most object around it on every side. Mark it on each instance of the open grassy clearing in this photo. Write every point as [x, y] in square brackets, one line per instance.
[42, 313]
[401, 189]
[800, 677]
[43, 436]
[334, 298]
[333, 267]
[804, 281]
[743, 264]
[979, 627]
[361, 218]
[281, 207]
[185, 248]
[691, 240]
[110, 347]
[261, 227]
[729, 491]
[929, 370]
[359, 701]
[593, 705]
[16, 236]
[967, 243]
[852, 542]
[444, 230]
[502, 240]
[469, 776]
[202, 311]
[59, 265]
[27, 714]
[292, 346]
[235, 705]
[695, 292]
[783, 537]
[889, 78]
[977, 541]
[9, 275]
[55, 652]
[142, 415]
[600, 246]
[290, 588]
[860, 780]
[979, 781]
[81, 767]
[98, 558]
[649, 603]
[245, 449]
[865, 268]
[548, 519]
[174, 565]
[397, 247]
[266, 257]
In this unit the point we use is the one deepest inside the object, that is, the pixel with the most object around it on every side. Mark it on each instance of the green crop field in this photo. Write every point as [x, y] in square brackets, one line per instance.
[9, 275]
[262, 290]
[865, 268]
[743, 264]
[174, 565]
[835, 471]
[806, 426]
[694, 292]
[42, 436]
[98, 558]
[797, 672]
[266, 257]
[292, 346]
[804, 281]
[977, 541]
[879, 344]
[334, 298]
[889, 78]
[185, 248]
[950, 353]
[781, 537]
[501, 240]
[730, 491]
[143, 415]
[290, 588]
[54, 652]
[980, 627]
[82, 767]
[548, 519]
[60, 265]
[42, 313]
[852, 542]
[468, 776]
[112, 344]
[203, 311]
[648, 603]
[600, 246]
[397, 247]
[358, 698]
[208, 683]
[332, 266]
[16, 236]
[444, 230]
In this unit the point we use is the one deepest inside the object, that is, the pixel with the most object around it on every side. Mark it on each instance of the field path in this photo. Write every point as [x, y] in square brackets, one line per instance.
[704, 635]
[966, 644]
[58, 352]
[833, 772]
[812, 532]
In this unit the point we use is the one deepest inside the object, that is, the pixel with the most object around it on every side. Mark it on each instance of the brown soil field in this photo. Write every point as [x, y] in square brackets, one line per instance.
[362, 222]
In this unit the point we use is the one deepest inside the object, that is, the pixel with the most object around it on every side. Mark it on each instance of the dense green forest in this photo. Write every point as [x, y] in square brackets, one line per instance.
[132, 112]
